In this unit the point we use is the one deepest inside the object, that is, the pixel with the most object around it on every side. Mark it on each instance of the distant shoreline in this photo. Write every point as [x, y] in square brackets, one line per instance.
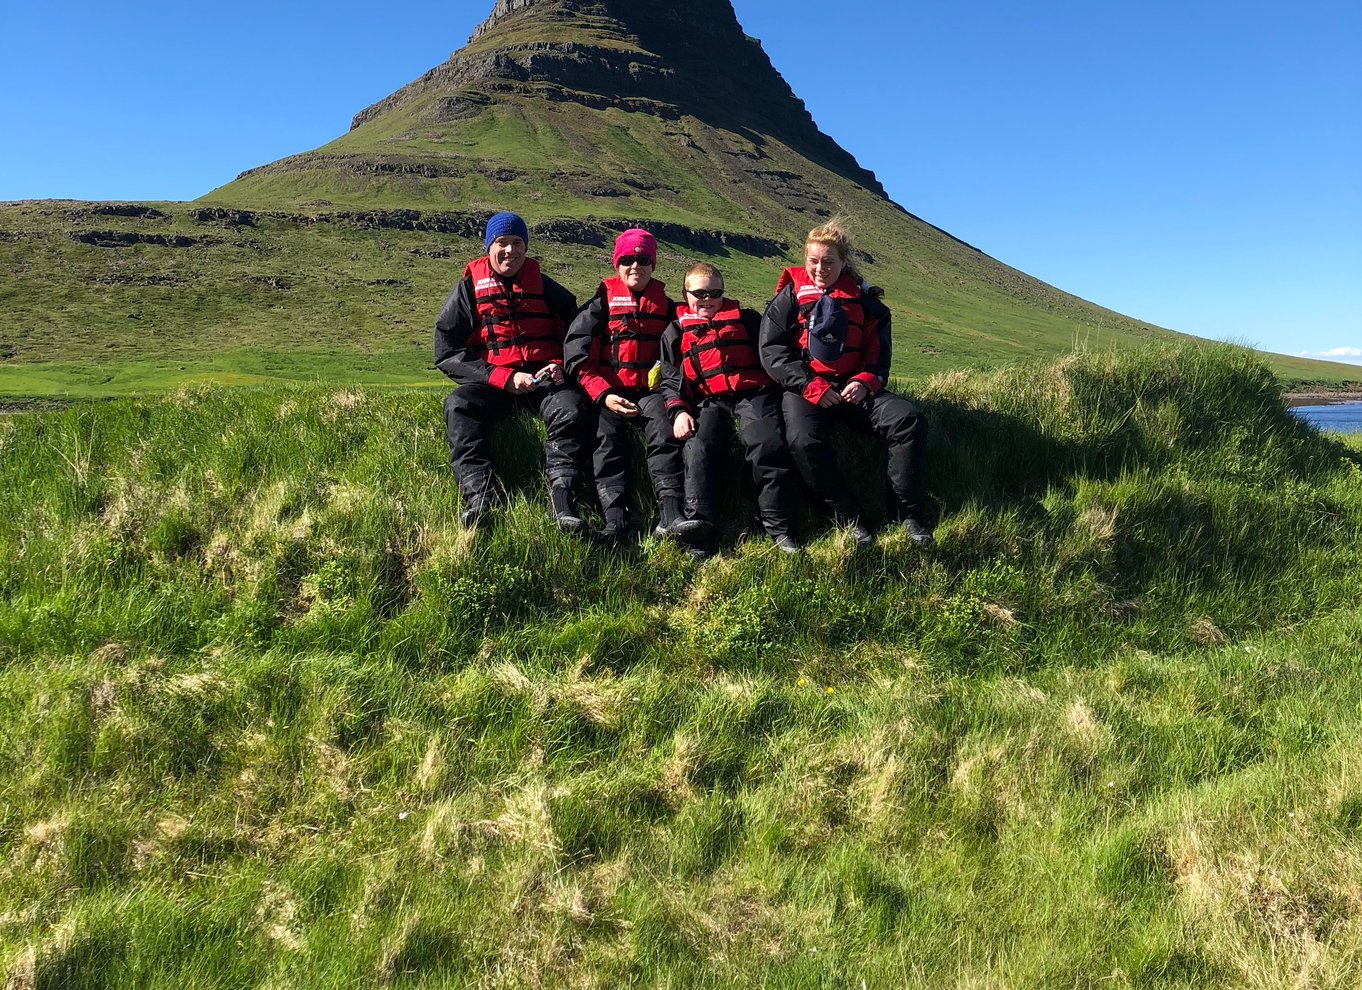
[1291, 399]
[1294, 399]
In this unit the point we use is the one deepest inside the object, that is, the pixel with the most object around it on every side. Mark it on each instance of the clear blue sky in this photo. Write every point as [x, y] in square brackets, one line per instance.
[1197, 165]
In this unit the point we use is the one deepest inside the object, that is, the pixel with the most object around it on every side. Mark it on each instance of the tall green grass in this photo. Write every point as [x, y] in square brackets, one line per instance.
[274, 719]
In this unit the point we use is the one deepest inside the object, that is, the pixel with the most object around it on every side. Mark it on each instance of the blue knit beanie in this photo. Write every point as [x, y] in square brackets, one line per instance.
[504, 224]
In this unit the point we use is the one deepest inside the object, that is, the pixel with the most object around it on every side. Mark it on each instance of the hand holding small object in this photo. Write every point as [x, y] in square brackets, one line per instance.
[620, 406]
[550, 374]
[855, 392]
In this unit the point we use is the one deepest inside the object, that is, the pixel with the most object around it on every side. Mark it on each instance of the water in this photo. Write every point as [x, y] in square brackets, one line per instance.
[1337, 417]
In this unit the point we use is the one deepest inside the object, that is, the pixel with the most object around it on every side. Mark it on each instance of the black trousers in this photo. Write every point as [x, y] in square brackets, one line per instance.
[611, 458]
[758, 419]
[471, 410]
[808, 428]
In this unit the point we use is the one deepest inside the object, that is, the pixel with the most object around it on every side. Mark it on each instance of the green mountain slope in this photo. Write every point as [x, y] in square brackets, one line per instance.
[584, 116]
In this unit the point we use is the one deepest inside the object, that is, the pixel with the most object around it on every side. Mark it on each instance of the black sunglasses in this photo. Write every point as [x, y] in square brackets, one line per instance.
[706, 293]
[631, 259]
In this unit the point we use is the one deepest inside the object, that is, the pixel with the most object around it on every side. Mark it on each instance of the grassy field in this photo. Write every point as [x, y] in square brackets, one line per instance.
[273, 719]
[326, 297]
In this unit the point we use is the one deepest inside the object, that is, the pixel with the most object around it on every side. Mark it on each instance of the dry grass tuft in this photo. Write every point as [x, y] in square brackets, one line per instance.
[526, 820]
[46, 834]
[334, 766]
[104, 698]
[200, 685]
[999, 616]
[428, 774]
[276, 914]
[1083, 723]
[1204, 632]
[511, 680]
[1100, 522]
[1272, 928]
[678, 771]
[111, 653]
[23, 973]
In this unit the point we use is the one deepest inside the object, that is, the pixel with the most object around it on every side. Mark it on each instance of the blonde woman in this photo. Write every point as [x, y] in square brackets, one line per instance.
[826, 338]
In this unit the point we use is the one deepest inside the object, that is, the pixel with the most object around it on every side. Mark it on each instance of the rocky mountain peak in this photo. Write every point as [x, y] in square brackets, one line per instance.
[672, 61]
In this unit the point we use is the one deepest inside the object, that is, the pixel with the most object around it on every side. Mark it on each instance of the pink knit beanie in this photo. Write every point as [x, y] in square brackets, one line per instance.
[635, 241]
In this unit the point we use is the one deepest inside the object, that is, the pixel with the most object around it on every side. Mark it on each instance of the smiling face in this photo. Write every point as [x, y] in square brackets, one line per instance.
[637, 273]
[706, 308]
[824, 264]
[507, 255]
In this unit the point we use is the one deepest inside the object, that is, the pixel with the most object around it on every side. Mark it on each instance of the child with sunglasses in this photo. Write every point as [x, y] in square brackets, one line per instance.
[611, 347]
[712, 376]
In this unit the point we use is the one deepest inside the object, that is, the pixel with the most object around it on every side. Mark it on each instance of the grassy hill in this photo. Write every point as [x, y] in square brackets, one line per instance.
[330, 265]
[101, 304]
[274, 719]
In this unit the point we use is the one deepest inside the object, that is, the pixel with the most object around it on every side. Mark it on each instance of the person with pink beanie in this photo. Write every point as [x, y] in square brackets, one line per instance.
[611, 348]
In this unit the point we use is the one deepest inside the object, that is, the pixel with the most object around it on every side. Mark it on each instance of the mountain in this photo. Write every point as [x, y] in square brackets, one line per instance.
[599, 100]
[616, 113]
[586, 116]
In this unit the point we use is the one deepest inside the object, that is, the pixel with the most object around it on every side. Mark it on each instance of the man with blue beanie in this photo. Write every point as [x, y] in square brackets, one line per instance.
[500, 337]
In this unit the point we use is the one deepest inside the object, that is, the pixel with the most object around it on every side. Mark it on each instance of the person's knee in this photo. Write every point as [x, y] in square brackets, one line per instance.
[900, 422]
[563, 413]
[456, 403]
[912, 428]
[467, 400]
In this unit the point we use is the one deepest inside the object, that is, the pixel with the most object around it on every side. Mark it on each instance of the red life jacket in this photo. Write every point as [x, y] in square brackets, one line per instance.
[515, 324]
[633, 341]
[847, 291]
[718, 356]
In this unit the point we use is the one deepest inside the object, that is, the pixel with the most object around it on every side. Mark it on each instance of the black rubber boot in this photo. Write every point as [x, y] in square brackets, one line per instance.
[918, 532]
[616, 528]
[846, 511]
[670, 514]
[693, 531]
[563, 512]
[478, 505]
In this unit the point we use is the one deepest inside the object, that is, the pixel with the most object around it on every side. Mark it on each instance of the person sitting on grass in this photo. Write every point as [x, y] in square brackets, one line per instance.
[712, 376]
[826, 339]
[611, 347]
[500, 337]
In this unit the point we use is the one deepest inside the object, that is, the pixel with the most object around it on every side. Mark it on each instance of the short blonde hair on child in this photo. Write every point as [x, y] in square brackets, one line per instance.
[702, 269]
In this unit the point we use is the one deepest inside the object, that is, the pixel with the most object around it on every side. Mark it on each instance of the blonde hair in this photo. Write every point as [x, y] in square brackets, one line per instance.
[837, 235]
[703, 269]
[834, 233]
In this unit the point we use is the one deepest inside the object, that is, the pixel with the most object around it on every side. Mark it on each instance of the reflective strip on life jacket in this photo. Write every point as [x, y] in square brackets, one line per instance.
[515, 324]
[634, 329]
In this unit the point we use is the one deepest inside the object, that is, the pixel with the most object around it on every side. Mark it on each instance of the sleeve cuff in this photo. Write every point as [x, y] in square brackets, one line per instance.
[501, 378]
[815, 389]
[870, 381]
